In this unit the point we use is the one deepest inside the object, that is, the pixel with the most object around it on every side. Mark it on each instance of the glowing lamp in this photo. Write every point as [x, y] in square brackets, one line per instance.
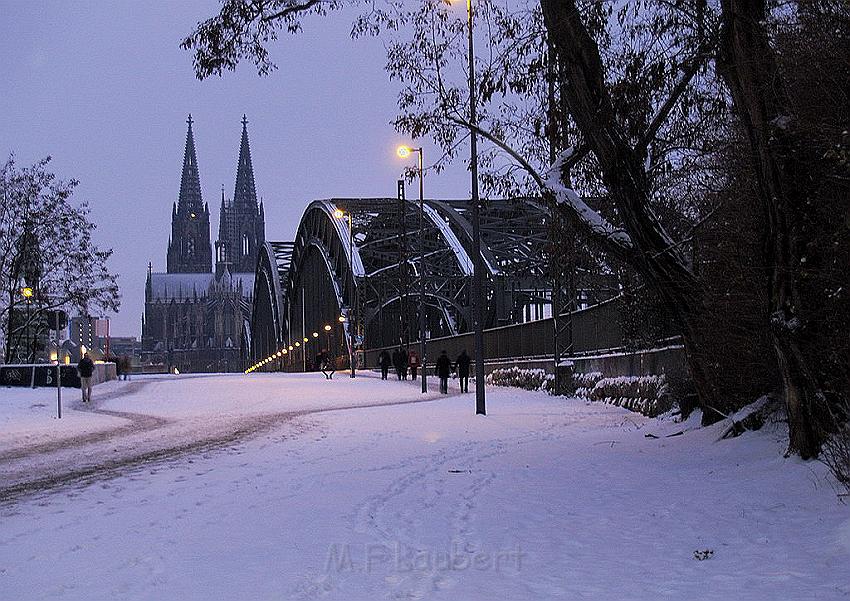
[327, 328]
[403, 151]
[315, 334]
[339, 213]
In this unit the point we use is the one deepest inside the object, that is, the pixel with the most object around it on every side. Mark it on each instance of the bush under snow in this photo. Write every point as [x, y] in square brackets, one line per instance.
[644, 394]
[527, 379]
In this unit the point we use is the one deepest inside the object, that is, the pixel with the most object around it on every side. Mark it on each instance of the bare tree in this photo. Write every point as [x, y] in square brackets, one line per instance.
[46, 243]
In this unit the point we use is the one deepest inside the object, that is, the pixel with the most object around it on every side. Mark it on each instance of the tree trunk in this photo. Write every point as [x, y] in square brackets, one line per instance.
[748, 66]
[658, 260]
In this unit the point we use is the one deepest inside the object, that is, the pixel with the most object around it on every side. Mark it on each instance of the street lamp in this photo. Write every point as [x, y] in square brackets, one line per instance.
[404, 152]
[477, 263]
[327, 328]
[339, 214]
[27, 293]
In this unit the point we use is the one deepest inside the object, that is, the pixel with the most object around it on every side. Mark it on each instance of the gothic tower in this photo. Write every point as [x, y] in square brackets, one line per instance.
[189, 249]
[242, 220]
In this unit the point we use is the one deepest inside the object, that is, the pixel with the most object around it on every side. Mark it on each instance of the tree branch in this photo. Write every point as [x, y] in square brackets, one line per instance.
[295, 8]
[678, 90]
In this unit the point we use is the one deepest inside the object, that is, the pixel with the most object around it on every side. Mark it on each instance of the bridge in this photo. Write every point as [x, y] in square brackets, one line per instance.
[352, 276]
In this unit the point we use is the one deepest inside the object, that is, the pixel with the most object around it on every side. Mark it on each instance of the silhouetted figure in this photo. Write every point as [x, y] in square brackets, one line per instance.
[413, 362]
[85, 368]
[126, 366]
[327, 365]
[443, 369]
[462, 367]
[405, 363]
[384, 363]
[400, 363]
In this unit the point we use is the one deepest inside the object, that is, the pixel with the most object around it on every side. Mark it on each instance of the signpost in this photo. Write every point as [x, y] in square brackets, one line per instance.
[60, 320]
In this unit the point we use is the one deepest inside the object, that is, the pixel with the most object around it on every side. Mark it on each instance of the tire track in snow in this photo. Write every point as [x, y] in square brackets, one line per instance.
[138, 422]
[22, 480]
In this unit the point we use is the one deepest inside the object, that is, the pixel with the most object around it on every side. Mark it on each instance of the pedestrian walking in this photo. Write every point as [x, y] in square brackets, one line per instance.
[327, 365]
[126, 366]
[398, 361]
[462, 367]
[443, 369]
[384, 362]
[413, 362]
[85, 369]
[404, 360]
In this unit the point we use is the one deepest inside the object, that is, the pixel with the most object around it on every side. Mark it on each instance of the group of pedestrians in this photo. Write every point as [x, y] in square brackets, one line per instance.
[403, 360]
[445, 367]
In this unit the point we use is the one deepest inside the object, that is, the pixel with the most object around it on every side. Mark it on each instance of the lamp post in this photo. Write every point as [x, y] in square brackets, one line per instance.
[339, 214]
[327, 329]
[404, 152]
[27, 292]
[478, 267]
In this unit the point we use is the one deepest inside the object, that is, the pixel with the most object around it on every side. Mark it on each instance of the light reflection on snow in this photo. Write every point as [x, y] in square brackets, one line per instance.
[432, 436]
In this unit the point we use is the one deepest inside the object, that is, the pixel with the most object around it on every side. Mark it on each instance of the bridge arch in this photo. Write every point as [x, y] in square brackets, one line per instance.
[366, 267]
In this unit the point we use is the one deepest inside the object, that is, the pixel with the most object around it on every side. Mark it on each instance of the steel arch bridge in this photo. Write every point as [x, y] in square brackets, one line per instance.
[352, 273]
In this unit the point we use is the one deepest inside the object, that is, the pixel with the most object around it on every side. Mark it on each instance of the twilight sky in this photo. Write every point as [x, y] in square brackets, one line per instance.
[104, 88]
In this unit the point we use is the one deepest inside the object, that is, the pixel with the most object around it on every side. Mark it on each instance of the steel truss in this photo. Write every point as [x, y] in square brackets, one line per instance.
[305, 285]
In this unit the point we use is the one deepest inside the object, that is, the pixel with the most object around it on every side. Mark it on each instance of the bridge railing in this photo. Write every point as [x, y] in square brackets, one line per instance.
[594, 328]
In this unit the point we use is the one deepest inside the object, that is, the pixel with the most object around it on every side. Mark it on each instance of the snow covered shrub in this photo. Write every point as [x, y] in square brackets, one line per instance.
[584, 383]
[644, 394]
[527, 379]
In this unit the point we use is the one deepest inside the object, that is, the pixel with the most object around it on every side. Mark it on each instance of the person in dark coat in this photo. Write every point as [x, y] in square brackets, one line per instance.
[384, 362]
[85, 368]
[462, 366]
[126, 366]
[327, 365]
[443, 370]
[404, 362]
[398, 361]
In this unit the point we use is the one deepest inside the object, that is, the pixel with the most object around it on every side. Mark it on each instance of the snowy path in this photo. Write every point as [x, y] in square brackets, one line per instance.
[543, 498]
[142, 433]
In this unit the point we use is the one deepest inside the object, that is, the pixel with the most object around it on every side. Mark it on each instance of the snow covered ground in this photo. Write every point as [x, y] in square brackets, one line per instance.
[290, 487]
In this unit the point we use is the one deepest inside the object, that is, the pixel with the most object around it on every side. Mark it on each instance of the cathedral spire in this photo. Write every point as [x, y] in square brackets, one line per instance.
[189, 249]
[245, 192]
[190, 182]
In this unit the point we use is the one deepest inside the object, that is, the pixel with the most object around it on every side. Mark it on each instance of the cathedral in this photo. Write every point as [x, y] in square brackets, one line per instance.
[197, 316]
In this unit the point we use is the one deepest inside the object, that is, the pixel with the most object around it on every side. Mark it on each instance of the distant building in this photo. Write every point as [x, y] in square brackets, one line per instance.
[125, 346]
[197, 319]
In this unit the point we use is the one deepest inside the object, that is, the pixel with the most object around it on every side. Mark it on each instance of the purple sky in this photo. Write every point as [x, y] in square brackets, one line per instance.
[104, 88]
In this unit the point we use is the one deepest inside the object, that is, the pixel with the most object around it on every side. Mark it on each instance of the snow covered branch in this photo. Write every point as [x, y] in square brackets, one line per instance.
[566, 196]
